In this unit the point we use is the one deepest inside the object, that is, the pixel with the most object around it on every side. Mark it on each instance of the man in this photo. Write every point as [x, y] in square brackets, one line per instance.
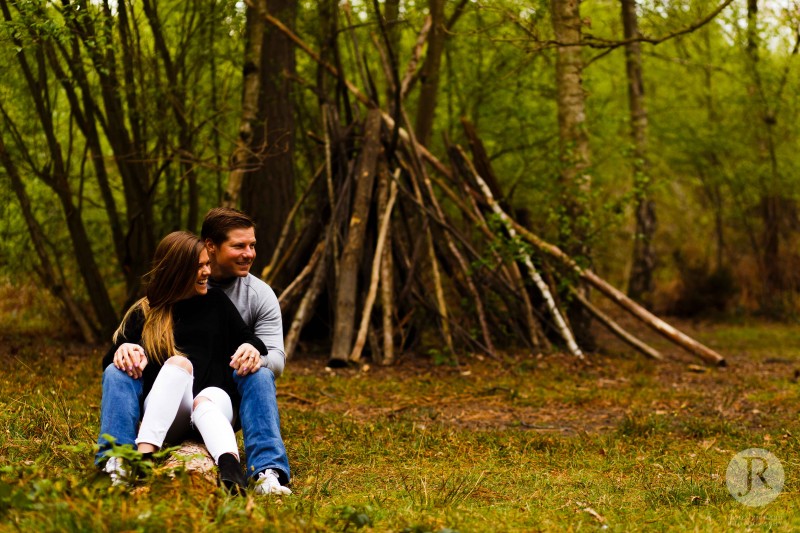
[230, 239]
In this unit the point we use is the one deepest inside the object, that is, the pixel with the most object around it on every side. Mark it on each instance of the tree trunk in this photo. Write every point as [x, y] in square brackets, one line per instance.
[574, 151]
[131, 161]
[242, 157]
[384, 223]
[347, 285]
[387, 276]
[429, 77]
[391, 13]
[86, 117]
[640, 285]
[55, 176]
[268, 191]
[772, 203]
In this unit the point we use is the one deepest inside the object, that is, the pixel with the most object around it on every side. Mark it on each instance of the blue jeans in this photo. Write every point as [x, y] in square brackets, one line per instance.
[261, 424]
[120, 409]
[120, 413]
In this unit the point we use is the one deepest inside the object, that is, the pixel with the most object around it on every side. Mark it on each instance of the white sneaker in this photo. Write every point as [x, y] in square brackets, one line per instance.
[117, 472]
[267, 483]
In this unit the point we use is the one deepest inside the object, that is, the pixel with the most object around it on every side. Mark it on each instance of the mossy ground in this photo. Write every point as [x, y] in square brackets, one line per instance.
[533, 442]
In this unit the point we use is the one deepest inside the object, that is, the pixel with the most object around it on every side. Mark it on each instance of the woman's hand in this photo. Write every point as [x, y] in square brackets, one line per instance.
[130, 358]
[246, 360]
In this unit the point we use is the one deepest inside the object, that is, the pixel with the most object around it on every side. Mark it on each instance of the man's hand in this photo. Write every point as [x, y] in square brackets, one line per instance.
[246, 360]
[130, 358]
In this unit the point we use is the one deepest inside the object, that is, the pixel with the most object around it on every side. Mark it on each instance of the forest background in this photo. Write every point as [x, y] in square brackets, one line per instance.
[653, 142]
[380, 145]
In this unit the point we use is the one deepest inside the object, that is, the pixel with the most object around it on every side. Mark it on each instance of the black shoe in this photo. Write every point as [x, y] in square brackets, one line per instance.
[230, 474]
[142, 467]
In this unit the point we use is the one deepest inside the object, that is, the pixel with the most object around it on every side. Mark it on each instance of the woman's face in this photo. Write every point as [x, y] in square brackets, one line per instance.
[203, 271]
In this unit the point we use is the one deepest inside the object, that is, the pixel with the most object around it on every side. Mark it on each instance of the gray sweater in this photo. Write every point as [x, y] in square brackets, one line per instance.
[258, 305]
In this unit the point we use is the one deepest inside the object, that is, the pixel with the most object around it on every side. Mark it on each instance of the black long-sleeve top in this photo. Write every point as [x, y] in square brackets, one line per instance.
[208, 329]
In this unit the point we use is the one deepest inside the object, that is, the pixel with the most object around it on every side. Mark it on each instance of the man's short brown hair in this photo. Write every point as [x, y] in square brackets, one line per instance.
[219, 221]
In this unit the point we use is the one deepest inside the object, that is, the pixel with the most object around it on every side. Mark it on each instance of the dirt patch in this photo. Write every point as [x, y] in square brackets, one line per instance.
[552, 393]
[556, 393]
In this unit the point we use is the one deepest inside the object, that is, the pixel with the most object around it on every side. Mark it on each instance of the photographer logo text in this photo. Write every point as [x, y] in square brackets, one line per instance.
[754, 477]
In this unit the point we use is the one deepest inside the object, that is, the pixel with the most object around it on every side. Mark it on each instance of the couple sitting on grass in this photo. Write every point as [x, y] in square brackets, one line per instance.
[204, 345]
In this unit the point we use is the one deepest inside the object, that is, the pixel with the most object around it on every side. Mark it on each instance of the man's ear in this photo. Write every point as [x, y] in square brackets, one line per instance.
[211, 247]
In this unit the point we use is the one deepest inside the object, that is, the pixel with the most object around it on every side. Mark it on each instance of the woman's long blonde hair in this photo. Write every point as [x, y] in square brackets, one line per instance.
[171, 279]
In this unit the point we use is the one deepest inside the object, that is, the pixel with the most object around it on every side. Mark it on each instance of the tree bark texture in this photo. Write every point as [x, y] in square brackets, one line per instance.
[347, 282]
[640, 285]
[268, 191]
[387, 273]
[242, 158]
[429, 76]
[574, 150]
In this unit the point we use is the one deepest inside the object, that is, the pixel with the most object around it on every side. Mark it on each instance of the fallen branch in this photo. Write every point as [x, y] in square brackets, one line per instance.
[616, 329]
[658, 325]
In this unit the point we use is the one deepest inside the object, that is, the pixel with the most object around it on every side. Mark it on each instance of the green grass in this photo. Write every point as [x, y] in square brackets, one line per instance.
[549, 444]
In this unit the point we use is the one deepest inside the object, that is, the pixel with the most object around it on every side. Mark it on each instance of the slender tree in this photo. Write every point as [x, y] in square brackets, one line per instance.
[243, 155]
[575, 155]
[46, 270]
[121, 108]
[429, 75]
[54, 174]
[774, 206]
[640, 284]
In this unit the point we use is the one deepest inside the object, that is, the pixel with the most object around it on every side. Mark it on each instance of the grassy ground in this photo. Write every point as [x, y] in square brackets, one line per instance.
[533, 443]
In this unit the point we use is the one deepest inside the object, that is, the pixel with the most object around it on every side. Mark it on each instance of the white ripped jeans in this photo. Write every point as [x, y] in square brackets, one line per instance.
[170, 410]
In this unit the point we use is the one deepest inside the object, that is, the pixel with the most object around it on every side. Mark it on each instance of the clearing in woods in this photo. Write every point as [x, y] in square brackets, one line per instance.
[536, 442]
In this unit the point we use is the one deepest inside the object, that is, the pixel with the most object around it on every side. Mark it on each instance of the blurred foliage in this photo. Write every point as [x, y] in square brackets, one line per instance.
[709, 170]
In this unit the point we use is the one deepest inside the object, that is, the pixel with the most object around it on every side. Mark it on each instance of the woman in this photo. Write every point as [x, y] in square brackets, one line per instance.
[188, 333]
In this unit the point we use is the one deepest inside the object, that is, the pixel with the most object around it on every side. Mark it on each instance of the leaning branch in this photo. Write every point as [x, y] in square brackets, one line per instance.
[616, 329]
[648, 318]
[561, 324]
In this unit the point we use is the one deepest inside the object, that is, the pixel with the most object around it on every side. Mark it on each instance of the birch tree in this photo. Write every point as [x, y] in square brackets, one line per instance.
[574, 151]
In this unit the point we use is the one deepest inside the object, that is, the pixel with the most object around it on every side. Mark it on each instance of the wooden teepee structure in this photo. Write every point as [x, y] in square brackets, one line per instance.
[400, 246]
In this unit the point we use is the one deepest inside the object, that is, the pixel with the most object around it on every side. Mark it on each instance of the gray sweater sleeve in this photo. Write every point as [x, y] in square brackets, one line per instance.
[259, 307]
[268, 326]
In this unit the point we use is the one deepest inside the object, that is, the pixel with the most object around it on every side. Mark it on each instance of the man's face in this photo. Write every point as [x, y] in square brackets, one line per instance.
[235, 256]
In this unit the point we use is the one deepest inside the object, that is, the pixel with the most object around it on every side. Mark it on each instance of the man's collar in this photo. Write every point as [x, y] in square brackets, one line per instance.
[222, 282]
